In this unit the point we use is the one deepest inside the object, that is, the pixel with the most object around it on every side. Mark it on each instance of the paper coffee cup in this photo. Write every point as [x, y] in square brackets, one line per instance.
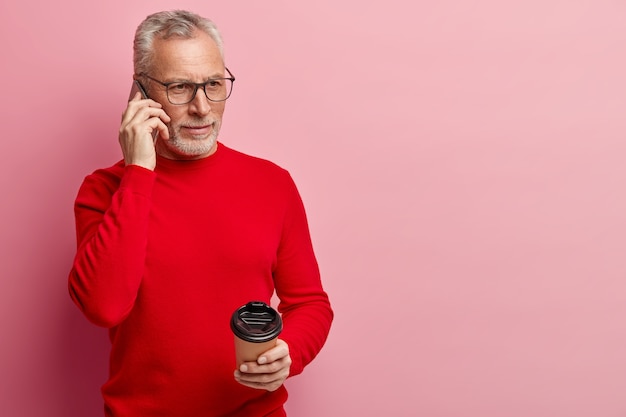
[256, 327]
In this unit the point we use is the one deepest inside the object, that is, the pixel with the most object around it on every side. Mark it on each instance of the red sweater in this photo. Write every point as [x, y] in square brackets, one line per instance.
[163, 260]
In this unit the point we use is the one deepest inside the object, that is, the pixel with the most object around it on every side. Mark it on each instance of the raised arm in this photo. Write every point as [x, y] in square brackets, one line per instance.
[111, 210]
[111, 229]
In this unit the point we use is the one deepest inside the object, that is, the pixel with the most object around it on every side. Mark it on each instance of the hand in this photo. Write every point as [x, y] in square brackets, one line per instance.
[139, 120]
[269, 371]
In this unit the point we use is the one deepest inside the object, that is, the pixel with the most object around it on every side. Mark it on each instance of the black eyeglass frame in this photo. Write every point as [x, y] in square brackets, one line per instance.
[196, 87]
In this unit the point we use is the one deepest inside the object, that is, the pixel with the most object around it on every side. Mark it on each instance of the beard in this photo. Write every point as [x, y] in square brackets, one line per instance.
[190, 147]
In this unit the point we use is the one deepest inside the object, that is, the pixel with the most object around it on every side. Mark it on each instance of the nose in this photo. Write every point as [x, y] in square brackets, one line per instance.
[200, 104]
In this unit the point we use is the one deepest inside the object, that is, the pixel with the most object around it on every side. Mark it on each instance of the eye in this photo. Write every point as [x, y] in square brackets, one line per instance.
[180, 87]
[215, 84]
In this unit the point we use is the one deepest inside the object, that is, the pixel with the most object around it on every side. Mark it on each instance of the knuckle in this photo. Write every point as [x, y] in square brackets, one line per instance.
[260, 380]
[273, 367]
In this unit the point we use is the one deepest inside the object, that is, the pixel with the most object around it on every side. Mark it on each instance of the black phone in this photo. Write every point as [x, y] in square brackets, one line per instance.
[133, 90]
[137, 87]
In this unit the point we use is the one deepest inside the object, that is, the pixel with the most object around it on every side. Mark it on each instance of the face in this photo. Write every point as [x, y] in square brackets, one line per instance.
[194, 126]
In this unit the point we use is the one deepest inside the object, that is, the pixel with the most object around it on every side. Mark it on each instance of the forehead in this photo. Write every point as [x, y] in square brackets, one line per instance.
[193, 58]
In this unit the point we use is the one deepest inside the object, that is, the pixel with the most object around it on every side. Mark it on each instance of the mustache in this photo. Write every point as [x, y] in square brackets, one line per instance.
[199, 123]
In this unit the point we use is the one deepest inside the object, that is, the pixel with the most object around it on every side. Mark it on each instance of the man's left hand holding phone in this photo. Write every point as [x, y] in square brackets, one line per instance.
[143, 122]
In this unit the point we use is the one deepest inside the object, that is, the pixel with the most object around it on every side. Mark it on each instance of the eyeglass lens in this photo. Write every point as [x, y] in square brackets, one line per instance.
[215, 90]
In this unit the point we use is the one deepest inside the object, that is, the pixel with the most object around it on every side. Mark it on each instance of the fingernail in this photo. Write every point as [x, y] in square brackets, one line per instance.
[243, 368]
[262, 360]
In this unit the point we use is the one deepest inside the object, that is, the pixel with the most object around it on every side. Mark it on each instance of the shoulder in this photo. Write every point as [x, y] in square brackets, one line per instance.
[253, 164]
[261, 175]
[104, 180]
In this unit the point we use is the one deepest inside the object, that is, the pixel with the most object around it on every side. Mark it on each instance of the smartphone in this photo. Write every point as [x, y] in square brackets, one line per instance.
[133, 90]
[136, 87]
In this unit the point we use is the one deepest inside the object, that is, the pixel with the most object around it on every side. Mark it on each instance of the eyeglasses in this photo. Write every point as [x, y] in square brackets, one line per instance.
[179, 93]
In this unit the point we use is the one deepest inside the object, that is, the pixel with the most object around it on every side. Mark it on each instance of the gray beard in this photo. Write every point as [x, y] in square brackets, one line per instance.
[191, 147]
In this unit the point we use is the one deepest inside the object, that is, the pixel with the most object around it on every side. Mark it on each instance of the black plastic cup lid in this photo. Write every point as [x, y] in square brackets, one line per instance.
[256, 322]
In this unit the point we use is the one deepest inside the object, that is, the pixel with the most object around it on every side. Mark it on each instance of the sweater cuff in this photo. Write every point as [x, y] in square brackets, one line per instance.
[138, 180]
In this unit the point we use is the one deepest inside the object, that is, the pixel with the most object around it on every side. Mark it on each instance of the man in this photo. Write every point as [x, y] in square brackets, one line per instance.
[182, 232]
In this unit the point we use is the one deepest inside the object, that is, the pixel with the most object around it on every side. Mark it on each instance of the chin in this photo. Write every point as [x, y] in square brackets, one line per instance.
[190, 148]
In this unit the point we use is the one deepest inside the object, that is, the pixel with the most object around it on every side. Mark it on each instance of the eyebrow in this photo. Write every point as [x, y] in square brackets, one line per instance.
[206, 80]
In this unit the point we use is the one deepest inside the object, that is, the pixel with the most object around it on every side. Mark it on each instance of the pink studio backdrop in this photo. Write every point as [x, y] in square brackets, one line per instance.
[462, 168]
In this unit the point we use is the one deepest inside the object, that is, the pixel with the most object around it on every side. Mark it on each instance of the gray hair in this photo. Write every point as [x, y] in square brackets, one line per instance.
[167, 24]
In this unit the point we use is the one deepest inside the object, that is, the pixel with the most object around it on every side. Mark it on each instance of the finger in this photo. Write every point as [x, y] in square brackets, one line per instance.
[269, 382]
[263, 378]
[145, 118]
[136, 104]
[144, 106]
[268, 387]
[136, 97]
[161, 131]
[269, 368]
[139, 127]
[281, 350]
[260, 378]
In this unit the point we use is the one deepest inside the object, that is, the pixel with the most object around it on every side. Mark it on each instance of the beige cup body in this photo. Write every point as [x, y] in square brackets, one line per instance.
[249, 351]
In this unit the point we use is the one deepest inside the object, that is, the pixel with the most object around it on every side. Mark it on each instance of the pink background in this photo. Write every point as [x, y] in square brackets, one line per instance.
[462, 167]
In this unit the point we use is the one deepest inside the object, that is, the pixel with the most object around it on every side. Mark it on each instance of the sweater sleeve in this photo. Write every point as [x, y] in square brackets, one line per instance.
[304, 305]
[111, 228]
